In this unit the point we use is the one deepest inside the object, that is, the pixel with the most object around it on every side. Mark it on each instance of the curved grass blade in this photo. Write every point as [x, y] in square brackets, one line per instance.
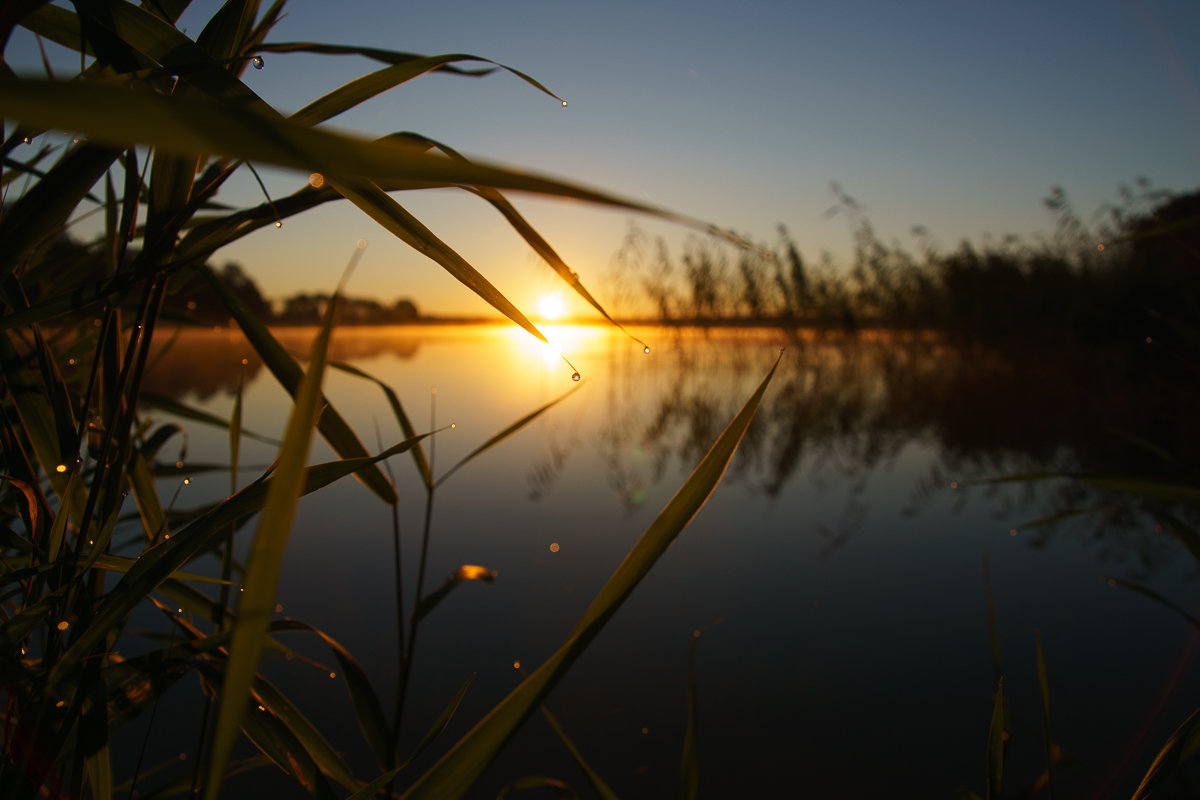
[602, 789]
[332, 426]
[364, 88]
[1153, 595]
[367, 708]
[441, 723]
[402, 419]
[561, 790]
[1183, 744]
[374, 787]
[997, 742]
[199, 125]
[177, 409]
[455, 773]
[507, 432]
[378, 205]
[1044, 690]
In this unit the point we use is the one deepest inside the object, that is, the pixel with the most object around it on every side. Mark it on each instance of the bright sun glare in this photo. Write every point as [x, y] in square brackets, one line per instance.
[551, 306]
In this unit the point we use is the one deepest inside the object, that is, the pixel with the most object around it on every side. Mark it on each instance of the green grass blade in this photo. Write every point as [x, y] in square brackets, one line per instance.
[406, 426]
[997, 742]
[454, 774]
[602, 789]
[367, 709]
[99, 774]
[332, 426]
[177, 409]
[441, 723]
[1153, 595]
[1183, 744]
[378, 205]
[1044, 690]
[1171, 492]
[257, 600]
[186, 126]
[506, 433]
[364, 88]
[374, 787]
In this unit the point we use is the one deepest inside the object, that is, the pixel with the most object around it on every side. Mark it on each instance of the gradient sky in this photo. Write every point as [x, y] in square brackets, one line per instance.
[957, 115]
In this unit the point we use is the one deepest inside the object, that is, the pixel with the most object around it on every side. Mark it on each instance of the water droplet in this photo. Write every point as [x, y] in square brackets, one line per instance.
[187, 481]
[453, 425]
[71, 361]
[333, 674]
[278, 607]
[178, 465]
[516, 665]
[1012, 532]
[554, 547]
[278, 223]
[564, 103]
[257, 62]
[62, 626]
[28, 140]
[316, 180]
[575, 376]
[645, 731]
[646, 349]
[61, 468]
[60, 704]
[953, 484]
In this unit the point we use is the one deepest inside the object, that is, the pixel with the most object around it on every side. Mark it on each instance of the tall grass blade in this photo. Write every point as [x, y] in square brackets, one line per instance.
[1044, 690]
[997, 742]
[454, 774]
[1153, 595]
[506, 433]
[1183, 744]
[378, 205]
[441, 723]
[373, 788]
[402, 419]
[256, 601]
[285, 369]
[602, 789]
[376, 83]
[184, 411]
[367, 708]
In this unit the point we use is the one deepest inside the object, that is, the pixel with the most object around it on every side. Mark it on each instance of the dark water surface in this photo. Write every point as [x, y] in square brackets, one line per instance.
[836, 577]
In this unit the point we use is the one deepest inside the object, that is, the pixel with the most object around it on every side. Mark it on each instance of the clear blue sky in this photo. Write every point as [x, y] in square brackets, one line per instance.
[955, 114]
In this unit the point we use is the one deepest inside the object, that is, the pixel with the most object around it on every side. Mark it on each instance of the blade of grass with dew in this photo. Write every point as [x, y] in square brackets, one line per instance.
[376, 83]
[531, 236]
[1044, 691]
[367, 708]
[406, 426]
[256, 601]
[602, 789]
[458, 770]
[330, 423]
[506, 433]
[378, 205]
[196, 125]
[1183, 744]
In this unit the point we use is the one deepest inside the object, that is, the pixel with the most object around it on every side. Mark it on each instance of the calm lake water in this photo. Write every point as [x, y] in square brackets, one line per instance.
[836, 576]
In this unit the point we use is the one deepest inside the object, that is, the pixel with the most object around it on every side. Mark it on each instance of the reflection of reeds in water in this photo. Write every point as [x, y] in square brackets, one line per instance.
[849, 407]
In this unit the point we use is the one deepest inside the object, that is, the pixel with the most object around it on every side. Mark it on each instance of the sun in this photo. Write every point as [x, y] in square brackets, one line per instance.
[552, 306]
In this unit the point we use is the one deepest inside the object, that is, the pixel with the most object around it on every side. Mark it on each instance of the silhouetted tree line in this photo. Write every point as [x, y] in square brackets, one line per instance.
[1130, 282]
[196, 301]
